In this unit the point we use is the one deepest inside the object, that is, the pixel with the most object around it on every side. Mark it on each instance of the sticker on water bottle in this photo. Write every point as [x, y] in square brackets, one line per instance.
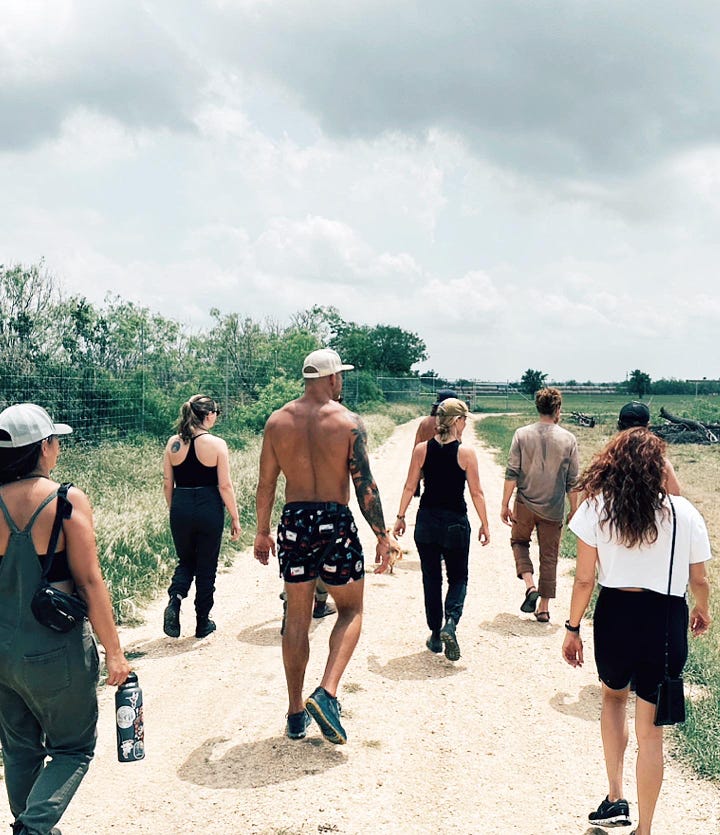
[125, 717]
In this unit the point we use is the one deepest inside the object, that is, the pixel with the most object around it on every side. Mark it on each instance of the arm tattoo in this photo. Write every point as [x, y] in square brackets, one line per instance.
[176, 446]
[365, 487]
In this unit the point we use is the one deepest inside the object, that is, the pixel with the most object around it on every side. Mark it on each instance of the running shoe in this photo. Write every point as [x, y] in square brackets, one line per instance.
[325, 710]
[615, 813]
[297, 724]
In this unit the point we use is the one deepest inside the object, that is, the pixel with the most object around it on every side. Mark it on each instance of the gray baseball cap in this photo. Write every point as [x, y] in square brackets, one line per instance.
[26, 423]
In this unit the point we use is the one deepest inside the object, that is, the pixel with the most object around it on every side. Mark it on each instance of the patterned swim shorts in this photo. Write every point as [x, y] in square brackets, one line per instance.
[319, 539]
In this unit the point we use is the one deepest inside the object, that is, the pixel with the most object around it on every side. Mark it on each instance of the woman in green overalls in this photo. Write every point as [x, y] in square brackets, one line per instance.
[48, 680]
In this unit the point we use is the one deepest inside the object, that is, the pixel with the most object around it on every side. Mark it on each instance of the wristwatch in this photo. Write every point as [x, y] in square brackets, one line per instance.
[571, 628]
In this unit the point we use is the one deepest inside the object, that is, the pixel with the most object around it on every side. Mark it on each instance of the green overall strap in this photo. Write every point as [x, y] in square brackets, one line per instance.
[11, 523]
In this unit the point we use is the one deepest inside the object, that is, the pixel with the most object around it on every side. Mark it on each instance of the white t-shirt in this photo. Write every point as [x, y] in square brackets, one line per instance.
[645, 566]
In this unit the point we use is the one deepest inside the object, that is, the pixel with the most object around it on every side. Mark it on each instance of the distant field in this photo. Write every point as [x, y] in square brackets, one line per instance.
[605, 407]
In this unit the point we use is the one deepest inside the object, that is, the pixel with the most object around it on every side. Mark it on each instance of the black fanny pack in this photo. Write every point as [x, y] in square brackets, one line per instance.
[55, 609]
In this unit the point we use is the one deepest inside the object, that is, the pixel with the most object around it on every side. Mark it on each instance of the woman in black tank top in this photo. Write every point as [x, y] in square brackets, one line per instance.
[442, 529]
[195, 493]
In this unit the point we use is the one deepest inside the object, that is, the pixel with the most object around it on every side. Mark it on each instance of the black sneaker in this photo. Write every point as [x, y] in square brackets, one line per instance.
[322, 609]
[449, 640]
[171, 618]
[433, 643]
[204, 627]
[615, 813]
[297, 724]
[325, 710]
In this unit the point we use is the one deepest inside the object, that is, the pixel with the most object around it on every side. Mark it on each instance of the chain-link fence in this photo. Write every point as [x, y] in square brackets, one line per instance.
[108, 406]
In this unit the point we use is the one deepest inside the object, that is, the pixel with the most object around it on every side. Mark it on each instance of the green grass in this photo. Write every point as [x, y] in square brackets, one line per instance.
[697, 741]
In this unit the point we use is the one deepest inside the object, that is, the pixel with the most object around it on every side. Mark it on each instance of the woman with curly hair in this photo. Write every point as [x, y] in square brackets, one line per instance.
[626, 528]
[197, 483]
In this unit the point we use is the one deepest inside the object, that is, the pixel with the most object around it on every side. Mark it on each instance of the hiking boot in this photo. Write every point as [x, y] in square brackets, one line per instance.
[297, 724]
[449, 640]
[615, 813]
[204, 627]
[322, 609]
[325, 710]
[433, 643]
[171, 618]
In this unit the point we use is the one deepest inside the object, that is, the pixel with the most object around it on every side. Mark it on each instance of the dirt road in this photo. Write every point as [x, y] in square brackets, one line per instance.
[504, 741]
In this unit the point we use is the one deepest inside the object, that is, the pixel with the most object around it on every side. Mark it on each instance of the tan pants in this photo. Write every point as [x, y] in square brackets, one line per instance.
[548, 538]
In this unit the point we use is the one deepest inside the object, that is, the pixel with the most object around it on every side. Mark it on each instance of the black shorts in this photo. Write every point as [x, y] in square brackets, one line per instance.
[629, 630]
[319, 539]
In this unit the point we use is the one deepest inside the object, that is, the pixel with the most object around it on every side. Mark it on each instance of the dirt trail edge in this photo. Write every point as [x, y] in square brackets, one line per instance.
[506, 740]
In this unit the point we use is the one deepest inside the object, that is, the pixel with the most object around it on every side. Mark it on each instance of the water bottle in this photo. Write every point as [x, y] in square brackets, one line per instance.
[129, 721]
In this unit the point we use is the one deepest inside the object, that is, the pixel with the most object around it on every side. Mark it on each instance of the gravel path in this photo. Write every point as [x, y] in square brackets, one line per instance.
[506, 740]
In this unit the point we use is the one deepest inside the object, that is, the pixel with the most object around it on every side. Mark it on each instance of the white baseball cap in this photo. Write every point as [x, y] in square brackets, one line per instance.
[323, 363]
[25, 424]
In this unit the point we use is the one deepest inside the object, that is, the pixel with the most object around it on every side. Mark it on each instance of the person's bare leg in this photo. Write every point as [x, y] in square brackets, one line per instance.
[529, 580]
[614, 731]
[295, 641]
[345, 633]
[649, 766]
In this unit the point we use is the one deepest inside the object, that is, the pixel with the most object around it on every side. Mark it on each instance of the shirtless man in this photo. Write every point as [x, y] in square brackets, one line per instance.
[318, 445]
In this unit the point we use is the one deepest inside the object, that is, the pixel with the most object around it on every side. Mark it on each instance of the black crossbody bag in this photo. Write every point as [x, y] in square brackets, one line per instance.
[670, 705]
[55, 609]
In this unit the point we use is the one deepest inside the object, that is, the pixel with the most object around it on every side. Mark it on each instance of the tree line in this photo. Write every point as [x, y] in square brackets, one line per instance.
[637, 382]
[68, 351]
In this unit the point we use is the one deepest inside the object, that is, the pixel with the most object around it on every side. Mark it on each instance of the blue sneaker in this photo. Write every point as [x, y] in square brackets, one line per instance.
[297, 724]
[325, 710]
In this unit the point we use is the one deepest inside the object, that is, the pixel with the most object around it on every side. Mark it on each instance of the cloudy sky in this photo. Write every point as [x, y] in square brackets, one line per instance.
[524, 183]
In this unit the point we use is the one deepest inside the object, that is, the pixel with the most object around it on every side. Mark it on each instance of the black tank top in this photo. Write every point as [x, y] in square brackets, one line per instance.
[444, 478]
[192, 473]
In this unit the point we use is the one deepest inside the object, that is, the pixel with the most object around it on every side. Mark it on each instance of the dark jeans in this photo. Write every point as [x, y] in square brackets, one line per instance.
[196, 520]
[443, 534]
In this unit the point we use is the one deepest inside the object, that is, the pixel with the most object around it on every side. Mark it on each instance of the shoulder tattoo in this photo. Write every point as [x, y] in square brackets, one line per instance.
[175, 447]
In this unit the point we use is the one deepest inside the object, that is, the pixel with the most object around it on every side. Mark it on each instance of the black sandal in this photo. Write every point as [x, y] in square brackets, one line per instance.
[531, 598]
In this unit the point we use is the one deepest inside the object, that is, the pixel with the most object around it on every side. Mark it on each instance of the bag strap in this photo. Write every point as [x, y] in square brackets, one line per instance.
[667, 615]
[62, 511]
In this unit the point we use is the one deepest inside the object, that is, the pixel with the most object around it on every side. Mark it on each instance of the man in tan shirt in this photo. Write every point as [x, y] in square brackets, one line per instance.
[318, 445]
[543, 466]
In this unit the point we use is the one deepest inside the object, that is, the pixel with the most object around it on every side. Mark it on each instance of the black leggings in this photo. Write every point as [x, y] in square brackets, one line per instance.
[196, 521]
[443, 535]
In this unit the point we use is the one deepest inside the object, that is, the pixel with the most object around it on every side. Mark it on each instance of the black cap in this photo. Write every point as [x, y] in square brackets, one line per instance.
[633, 414]
[443, 394]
